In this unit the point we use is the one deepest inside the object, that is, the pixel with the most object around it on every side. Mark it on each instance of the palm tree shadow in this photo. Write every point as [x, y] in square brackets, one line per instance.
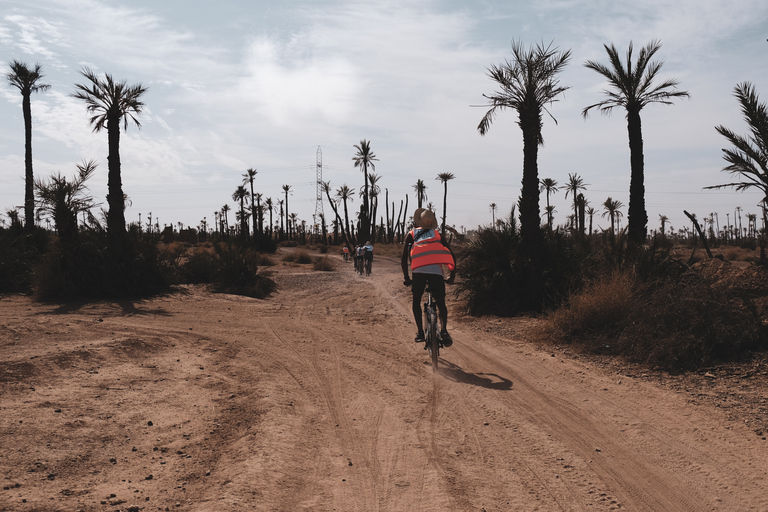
[483, 380]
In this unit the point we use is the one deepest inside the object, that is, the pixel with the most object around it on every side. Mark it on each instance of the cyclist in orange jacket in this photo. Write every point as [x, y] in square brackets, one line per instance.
[428, 252]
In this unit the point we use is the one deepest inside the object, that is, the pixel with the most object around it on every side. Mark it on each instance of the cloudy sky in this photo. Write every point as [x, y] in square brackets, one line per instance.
[262, 84]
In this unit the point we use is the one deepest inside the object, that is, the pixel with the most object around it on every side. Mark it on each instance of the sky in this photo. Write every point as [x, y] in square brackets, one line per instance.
[260, 84]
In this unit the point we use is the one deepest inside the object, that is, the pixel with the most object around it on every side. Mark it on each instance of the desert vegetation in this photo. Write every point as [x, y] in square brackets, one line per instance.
[632, 290]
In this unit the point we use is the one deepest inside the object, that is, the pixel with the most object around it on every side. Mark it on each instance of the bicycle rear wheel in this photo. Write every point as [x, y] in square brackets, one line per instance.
[434, 344]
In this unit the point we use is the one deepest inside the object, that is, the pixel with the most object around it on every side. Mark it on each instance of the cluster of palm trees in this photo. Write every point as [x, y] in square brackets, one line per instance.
[365, 228]
[110, 104]
[529, 82]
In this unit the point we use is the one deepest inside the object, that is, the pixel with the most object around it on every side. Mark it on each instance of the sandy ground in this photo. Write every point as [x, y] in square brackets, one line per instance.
[318, 399]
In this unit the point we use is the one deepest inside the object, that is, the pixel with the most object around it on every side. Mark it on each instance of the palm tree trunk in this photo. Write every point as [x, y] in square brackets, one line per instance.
[29, 198]
[405, 216]
[529, 195]
[637, 218]
[445, 205]
[115, 199]
[253, 212]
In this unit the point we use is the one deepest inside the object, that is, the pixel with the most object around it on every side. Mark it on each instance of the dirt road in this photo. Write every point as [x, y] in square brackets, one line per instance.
[318, 399]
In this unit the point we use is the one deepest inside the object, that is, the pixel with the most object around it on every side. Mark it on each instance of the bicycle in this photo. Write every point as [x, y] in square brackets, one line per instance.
[430, 328]
[368, 265]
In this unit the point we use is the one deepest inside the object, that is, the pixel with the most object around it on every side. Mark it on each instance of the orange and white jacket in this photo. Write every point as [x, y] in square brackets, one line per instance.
[428, 249]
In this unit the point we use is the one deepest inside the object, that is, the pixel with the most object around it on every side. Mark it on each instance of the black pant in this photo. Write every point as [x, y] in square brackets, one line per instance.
[437, 287]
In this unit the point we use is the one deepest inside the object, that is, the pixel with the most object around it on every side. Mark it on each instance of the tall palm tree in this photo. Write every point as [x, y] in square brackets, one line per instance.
[26, 81]
[240, 195]
[294, 224]
[248, 177]
[612, 210]
[591, 213]
[111, 103]
[444, 178]
[286, 189]
[224, 210]
[494, 208]
[374, 192]
[364, 159]
[270, 208]
[420, 187]
[575, 183]
[632, 88]
[344, 194]
[280, 202]
[528, 83]
[549, 187]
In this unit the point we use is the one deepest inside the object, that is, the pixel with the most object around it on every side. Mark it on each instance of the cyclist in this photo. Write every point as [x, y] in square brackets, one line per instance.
[359, 259]
[368, 256]
[428, 253]
[345, 252]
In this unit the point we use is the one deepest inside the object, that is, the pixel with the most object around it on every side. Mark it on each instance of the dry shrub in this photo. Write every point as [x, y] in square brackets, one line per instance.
[265, 260]
[600, 307]
[324, 264]
[673, 324]
[300, 256]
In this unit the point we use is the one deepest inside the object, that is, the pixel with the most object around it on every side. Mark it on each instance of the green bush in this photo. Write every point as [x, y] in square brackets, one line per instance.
[88, 268]
[18, 256]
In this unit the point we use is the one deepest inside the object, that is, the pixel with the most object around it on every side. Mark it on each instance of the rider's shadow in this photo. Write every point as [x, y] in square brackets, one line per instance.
[484, 380]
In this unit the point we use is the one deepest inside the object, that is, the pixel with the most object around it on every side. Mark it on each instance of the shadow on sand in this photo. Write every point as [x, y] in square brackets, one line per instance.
[128, 307]
[483, 380]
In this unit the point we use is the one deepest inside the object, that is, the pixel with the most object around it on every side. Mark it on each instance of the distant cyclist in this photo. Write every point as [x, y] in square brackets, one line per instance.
[368, 257]
[428, 253]
[345, 252]
[359, 251]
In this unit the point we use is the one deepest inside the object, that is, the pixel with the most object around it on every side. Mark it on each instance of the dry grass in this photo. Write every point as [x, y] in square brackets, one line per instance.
[602, 303]
[300, 256]
[325, 264]
[673, 324]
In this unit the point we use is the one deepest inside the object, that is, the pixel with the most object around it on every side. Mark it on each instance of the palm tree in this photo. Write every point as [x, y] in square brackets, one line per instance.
[528, 83]
[225, 222]
[591, 213]
[420, 187]
[664, 219]
[494, 208]
[240, 195]
[575, 183]
[549, 186]
[550, 211]
[344, 193]
[270, 207]
[364, 159]
[612, 210]
[374, 192]
[111, 103]
[748, 158]
[633, 89]
[286, 189]
[63, 199]
[293, 226]
[26, 81]
[248, 177]
[444, 178]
